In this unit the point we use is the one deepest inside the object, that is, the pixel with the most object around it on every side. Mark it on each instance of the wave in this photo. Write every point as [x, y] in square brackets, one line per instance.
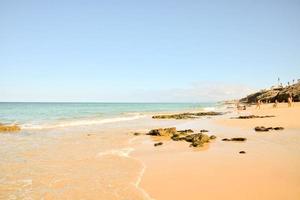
[118, 152]
[82, 122]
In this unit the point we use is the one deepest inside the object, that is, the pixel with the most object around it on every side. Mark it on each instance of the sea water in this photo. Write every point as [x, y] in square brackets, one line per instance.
[57, 155]
[51, 115]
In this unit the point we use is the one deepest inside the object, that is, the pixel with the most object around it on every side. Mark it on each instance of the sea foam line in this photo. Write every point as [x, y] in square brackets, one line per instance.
[81, 122]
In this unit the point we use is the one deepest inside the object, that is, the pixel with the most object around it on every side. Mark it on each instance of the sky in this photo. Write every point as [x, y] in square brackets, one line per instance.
[146, 51]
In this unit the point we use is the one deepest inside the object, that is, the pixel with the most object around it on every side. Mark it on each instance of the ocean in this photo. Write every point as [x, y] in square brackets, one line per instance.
[53, 115]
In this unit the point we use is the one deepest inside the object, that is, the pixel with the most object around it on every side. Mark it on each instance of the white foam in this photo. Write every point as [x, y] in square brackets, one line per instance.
[119, 152]
[84, 122]
[209, 108]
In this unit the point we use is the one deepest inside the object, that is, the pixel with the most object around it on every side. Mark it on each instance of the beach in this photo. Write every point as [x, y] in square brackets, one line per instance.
[109, 161]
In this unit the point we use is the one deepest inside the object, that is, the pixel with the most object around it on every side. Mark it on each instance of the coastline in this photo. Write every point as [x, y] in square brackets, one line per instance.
[268, 170]
[171, 171]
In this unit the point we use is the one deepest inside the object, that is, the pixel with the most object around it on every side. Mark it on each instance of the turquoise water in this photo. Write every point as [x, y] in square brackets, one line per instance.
[37, 115]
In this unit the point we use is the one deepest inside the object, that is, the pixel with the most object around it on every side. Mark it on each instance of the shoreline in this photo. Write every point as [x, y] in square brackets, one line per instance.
[274, 146]
[173, 170]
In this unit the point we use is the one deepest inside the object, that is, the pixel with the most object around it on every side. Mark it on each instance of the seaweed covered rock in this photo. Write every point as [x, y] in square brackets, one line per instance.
[186, 115]
[163, 132]
[198, 139]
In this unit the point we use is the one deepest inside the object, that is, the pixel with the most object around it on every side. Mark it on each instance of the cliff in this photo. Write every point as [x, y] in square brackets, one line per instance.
[281, 94]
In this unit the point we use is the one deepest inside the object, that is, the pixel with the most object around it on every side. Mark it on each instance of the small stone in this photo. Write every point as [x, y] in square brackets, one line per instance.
[212, 137]
[242, 152]
[225, 139]
[158, 144]
[136, 134]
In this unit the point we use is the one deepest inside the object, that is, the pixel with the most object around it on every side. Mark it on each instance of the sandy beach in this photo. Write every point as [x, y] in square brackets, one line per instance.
[109, 162]
[268, 170]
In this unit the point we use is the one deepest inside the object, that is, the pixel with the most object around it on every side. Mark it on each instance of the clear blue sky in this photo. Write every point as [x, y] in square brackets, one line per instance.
[145, 50]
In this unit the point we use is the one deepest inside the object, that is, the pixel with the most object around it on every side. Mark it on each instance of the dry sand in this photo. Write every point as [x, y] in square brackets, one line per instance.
[268, 170]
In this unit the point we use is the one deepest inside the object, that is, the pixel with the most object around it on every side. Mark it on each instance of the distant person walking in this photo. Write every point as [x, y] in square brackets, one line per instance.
[258, 103]
[275, 104]
[290, 100]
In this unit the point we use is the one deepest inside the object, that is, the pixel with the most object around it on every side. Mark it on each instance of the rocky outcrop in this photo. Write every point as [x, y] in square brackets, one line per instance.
[9, 128]
[280, 94]
[196, 139]
[186, 115]
[265, 129]
[163, 132]
[253, 116]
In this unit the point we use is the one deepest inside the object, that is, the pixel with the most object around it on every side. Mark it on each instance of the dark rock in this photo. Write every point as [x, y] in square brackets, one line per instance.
[186, 115]
[163, 132]
[197, 139]
[186, 131]
[225, 139]
[261, 129]
[158, 144]
[136, 133]
[203, 131]
[242, 152]
[239, 139]
[236, 139]
[253, 116]
[212, 137]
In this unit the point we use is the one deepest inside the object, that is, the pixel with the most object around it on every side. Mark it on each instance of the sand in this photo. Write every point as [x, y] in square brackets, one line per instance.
[108, 162]
[268, 170]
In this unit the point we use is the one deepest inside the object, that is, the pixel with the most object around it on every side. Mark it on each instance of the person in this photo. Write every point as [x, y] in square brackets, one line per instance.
[275, 104]
[290, 100]
[258, 103]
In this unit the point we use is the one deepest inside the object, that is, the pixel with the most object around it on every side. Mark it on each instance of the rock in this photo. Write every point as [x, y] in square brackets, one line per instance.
[186, 131]
[264, 129]
[236, 139]
[253, 116]
[186, 115]
[9, 128]
[158, 144]
[242, 152]
[197, 139]
[203, 131]
[261, 129]
[137, 134]
[225, 139]
[239, 139]
[163, 132]
[212, 137]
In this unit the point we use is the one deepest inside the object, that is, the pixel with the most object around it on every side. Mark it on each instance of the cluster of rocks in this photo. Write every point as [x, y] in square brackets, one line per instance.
[253, 116]
[265, 129]
[187, 115]
[280, 94]
[9, 128]
[196, 139]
